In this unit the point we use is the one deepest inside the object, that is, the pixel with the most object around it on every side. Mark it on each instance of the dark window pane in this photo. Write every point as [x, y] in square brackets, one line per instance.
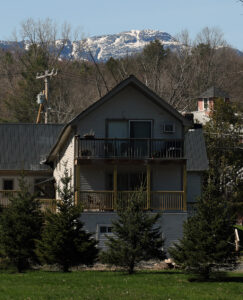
[8, 184]
[102, 229]
[109, 229]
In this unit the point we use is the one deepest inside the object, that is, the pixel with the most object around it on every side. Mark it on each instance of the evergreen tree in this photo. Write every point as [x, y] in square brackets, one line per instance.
[136, 236]
[22, 103]
[222, 134]
[20, 227]
[63, 240]
[208, 238]
[225, 153]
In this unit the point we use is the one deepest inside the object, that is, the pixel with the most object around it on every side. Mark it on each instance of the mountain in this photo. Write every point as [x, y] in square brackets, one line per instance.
[124, 43]
[105, 46]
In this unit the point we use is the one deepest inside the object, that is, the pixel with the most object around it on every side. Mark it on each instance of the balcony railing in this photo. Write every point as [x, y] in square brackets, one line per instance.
[5, 195]
[129, 148]
[106, 200]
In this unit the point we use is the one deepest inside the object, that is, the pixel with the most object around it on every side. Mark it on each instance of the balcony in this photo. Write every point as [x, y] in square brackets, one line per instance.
[155, 200]
[132, 149]
[46, 204]
[109, 200]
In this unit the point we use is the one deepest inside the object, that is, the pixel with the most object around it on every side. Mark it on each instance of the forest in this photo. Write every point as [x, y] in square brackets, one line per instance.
[178, 76]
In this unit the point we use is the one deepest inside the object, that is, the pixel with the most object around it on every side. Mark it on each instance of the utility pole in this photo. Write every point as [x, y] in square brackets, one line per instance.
[46, 76]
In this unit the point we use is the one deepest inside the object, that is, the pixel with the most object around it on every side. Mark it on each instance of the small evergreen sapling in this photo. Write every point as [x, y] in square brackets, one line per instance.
[63, 240]
[20, 227]
[136, 236]
[208, 240]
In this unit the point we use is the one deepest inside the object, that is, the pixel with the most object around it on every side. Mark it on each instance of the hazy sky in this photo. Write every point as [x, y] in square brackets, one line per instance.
[97, 17]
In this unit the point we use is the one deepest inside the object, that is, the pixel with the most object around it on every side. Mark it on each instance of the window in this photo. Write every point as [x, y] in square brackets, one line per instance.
[169, 127]
[117, 129]
[140, 129]
[105, 229]
[205, 103]
[8, 184]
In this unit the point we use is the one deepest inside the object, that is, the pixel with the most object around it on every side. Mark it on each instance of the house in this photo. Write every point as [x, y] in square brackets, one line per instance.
[128, 138]
[205, 103]
[22, 148]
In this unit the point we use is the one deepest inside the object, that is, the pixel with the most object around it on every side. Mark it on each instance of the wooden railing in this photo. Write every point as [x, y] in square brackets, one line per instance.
[106, 200]
[167, 200]
[129, 148]
[98, 200]
[5, 195]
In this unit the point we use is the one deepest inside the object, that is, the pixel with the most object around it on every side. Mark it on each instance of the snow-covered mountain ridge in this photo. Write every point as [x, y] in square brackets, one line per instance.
[125, 43]
[105, 46]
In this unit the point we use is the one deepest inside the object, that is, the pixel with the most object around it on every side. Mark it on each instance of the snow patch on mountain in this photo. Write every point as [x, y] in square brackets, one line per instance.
[105, 46]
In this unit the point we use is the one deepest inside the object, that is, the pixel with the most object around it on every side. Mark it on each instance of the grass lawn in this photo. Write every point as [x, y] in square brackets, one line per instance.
[116, 285]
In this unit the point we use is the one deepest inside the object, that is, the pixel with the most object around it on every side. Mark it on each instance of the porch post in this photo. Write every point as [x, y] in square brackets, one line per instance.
[115, 187]
[148, 186]
[184, 186]
[77, 184]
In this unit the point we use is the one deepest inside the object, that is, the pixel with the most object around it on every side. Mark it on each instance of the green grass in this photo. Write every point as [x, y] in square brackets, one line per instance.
[116, 285]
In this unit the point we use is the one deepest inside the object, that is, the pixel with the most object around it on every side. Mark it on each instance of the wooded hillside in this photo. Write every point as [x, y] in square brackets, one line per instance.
[178, 76]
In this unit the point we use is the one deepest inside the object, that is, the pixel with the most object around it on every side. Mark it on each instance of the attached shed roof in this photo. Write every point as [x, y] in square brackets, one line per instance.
[214, 92]
[196, 153]
[23, 146]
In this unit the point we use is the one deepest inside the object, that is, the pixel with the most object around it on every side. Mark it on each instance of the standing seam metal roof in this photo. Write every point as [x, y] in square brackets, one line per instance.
[23, 146]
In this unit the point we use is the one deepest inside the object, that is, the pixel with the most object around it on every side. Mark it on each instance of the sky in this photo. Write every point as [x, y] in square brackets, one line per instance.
[98, 17]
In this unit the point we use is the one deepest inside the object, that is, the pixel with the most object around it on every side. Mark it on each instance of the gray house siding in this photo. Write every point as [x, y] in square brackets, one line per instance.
[129, 104]
[171, 225]
[163, 177]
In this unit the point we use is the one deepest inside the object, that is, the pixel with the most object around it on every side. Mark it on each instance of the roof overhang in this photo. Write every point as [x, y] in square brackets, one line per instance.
[64, 135]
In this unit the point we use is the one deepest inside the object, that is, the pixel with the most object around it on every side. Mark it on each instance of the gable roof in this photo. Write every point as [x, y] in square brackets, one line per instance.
[23, 146]
[196, 152]
[214, 92]
[133, 81]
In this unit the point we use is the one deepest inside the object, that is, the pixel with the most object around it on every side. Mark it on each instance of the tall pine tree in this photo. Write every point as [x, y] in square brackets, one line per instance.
[208, 237]
[20, 228]
[63, 240]
[136, 236]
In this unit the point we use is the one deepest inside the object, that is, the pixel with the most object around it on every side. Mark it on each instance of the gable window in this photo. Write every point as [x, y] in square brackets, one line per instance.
[169, 127]
[8, 184]
[205, 103]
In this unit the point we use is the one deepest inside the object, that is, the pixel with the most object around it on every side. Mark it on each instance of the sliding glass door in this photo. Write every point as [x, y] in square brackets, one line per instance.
[142, 131]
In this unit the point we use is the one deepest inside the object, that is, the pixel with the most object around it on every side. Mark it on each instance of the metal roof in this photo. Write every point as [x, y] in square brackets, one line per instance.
[23, 146]
[214, 92]
[196, 153]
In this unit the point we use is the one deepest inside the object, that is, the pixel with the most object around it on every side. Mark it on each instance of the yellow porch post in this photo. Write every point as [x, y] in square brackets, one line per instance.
[148, 186]
[115, 187]
[77, 184]
[184, 186]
